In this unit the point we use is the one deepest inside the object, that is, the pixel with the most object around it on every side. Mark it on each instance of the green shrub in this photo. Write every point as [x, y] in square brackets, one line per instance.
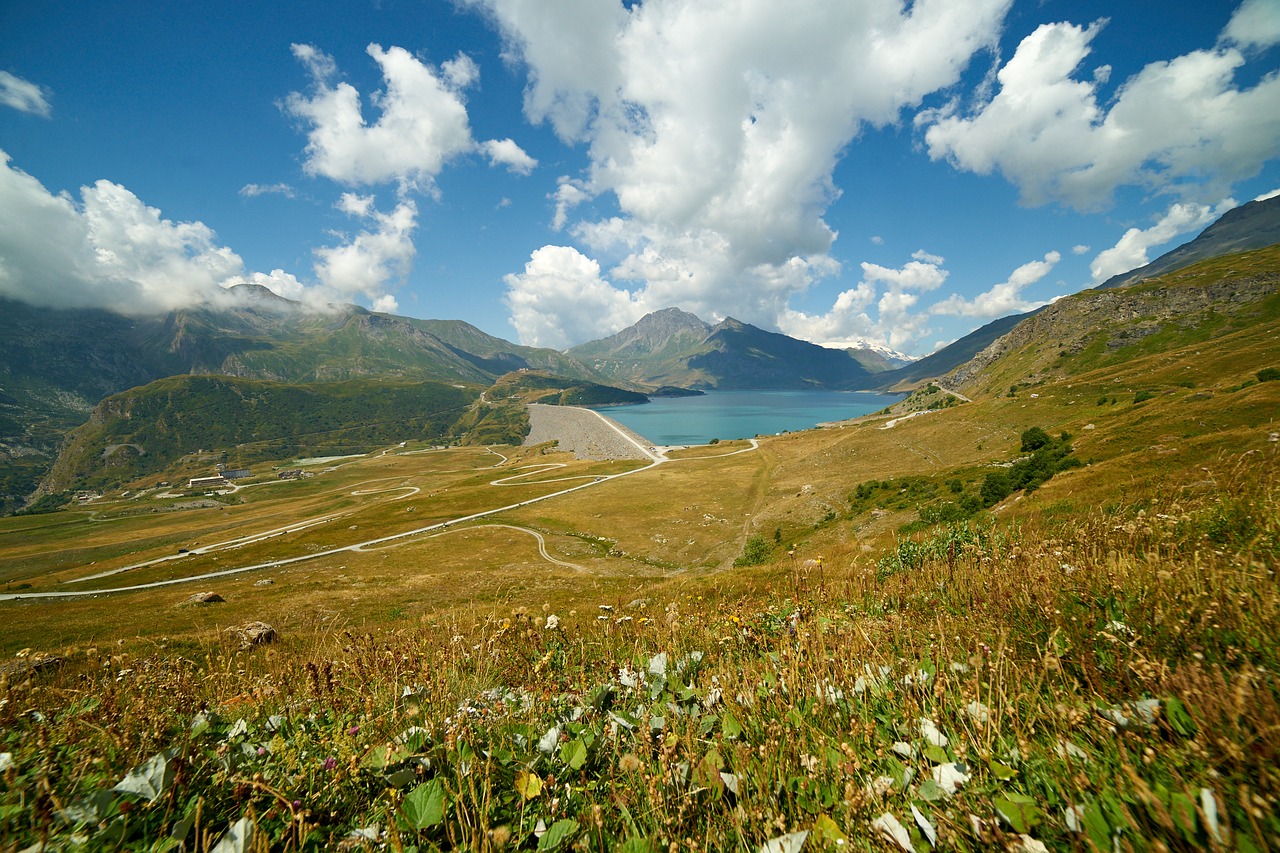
[755, 553]
[1143, 396]
[1034, 439]
[995, 488]
[1268, 374]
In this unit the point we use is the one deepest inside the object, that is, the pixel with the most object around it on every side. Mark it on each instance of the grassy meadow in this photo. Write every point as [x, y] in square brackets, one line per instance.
[1088, 665]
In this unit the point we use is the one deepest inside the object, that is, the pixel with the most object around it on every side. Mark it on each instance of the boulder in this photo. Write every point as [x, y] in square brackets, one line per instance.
[205, 598]
[253, 634]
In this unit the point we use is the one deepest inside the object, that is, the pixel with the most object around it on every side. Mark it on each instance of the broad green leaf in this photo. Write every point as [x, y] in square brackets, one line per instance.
[424, 807]
[730, 726]
[936, 754]
[931, 791]
[1183, 810]
[1018, 810]
[574, 754]
[560, 834]
[1096, 825]
[706, 773]
[1001, 771]
[528, 785]
[634, 845]
[1179, 719]
[828, 831]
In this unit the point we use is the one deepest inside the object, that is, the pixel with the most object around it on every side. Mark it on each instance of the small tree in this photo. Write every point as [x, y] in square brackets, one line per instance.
[755, 553]
[1034, 439]
[995, 488]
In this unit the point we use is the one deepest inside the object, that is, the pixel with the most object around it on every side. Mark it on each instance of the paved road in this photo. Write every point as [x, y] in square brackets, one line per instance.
[602, 427]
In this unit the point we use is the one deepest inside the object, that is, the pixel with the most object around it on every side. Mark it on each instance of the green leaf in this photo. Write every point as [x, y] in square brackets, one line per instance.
[936, 754]
[424, 807]
[1001, 771]
[827, 831]
[1179, 719]
[931, 791]
[574, 754]
[1183, 810]
[1018, 810]
[730, 726]
[635, 845]
[1096, 825]
[560, 834]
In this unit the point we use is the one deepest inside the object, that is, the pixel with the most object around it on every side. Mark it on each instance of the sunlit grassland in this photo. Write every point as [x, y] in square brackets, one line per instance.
[1097, 680]
[1098, 654]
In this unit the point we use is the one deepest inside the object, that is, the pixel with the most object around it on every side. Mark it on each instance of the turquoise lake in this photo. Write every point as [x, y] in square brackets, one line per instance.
[742, 414]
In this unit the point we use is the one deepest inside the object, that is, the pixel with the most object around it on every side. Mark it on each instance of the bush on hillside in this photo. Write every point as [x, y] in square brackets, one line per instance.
[1034, 439]
[755, 553]
[1268, 374]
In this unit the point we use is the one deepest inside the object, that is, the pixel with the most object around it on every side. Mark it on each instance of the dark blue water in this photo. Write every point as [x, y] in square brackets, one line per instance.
[742, 414]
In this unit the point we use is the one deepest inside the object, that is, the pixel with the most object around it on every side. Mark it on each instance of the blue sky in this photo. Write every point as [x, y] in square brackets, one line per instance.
[551, 170]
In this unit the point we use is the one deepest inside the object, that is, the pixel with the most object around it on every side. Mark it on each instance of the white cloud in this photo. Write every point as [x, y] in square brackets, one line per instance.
[1004, 298]
[717, 127]
[108, 250]
[1181, 125]
[422, 122]
[505, 152]
[897, 322]
[1267, 195]
[23, 95]
[280, 283]
[569, 194]
[255, 190]
[1130, 252]
[561, 300]
[373, 260]
[878, 240]
[1080, 249]
[1256, 23]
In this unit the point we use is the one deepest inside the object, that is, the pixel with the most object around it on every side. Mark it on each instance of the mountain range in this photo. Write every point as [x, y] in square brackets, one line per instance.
[57, 365]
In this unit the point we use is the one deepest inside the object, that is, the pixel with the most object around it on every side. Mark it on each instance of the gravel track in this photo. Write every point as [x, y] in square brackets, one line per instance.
[582, 432]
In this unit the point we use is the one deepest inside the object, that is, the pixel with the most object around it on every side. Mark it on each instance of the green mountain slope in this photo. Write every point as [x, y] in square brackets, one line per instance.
[1193, 307]
[145, 430]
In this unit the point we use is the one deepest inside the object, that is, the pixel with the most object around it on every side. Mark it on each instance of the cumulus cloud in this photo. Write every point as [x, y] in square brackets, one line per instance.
[376, 258]
[23, 95]
[505, 152]
[255, 190]
[1130, 252]
[1080, 249]
[106, 250]
[717, 128]
[893, 293]
[1004, 298]
[1177, 125]
[561, 299]
[421, 126]
[1256, 23]
[110, 250]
